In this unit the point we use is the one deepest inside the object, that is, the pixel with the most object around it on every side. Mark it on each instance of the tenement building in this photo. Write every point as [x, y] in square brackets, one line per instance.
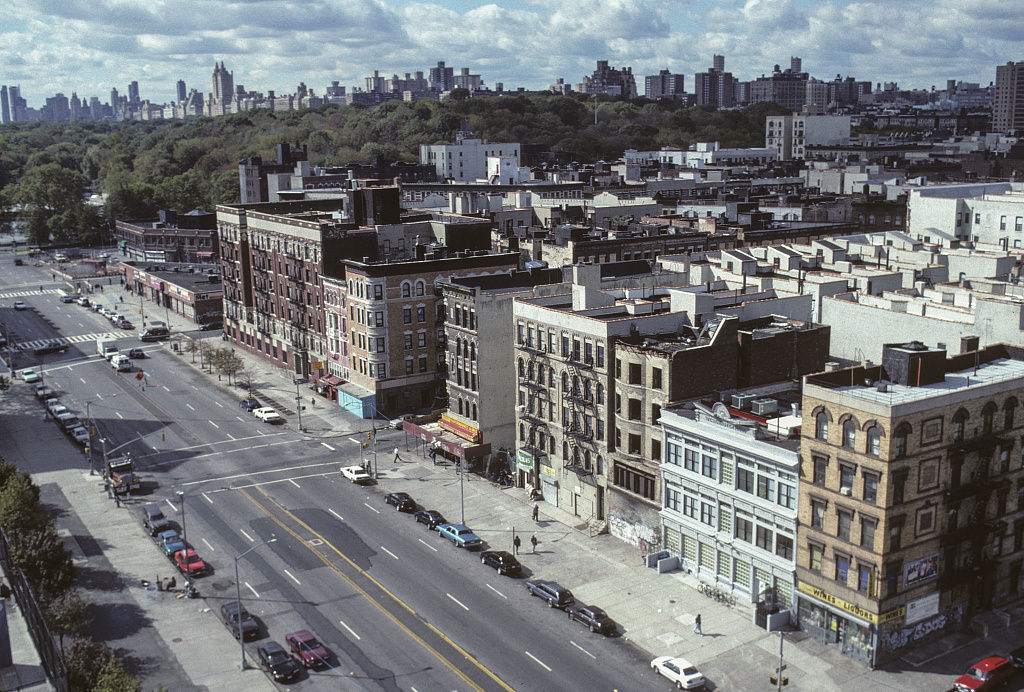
[911, 504]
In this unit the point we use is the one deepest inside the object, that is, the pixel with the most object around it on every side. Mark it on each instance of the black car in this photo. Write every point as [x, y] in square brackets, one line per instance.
[430, 517]
[1017, 656]
[278, 662]
[593, 617]
[249, 404]
[553, 593]
[136, 353]
[18, 263]
[51, 347]
[239, 620]
[503, 561]
[402, 501]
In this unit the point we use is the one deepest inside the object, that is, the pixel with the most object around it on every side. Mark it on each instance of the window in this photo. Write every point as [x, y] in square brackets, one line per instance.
[925, 520]
[845, 521]
[408, 366]
[846, 474]
[899, 484]
[635, 373]
[635, 444]
[420, 285]
[421, 314]
[673, 456]
[672, 496]
[744, 480]
[870, 488]
[423, 363]
[814, 561]
[842, 568]
[893, 571]
[874, 441]
[378, 293]
[421, 340]
[820, 466]
[744, 529]
[634, 409]
[987, 415]
[895, 533]
[634, 481]
[600, 356]
[408, 340]
[764, 538]
[406, 289]
[817, 514]
[864, 578]
[787, 496]
[691, 460]
[784, 547]
[407, 315]
[765, 488]
[656, 378]
[1008, 411]
[655, 413]
[709, 466]
[821, 425]
[867, 533]
[899, 441]
[849, 434]
[707, 513]
[959, 423]
[690, 506]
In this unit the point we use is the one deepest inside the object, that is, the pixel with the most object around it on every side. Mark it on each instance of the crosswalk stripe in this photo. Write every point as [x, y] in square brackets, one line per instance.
[77, 339]
[22, 294]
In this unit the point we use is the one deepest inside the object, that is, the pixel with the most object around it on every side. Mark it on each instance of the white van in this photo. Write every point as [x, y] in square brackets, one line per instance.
[106, 348]
[121, 363]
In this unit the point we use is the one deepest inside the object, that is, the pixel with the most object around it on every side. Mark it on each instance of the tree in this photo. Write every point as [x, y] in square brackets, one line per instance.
[51, 197]
[84, 660]
[246, 378]
[66, 615]
[190, 344]
[19, 503]
[47, 565]
[114, 678]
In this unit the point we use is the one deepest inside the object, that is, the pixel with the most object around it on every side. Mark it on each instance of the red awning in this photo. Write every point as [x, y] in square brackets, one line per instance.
[332, 380]
[451, 444]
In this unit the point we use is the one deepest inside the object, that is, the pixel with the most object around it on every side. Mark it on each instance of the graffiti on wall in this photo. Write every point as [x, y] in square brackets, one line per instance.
[634, 532]
[900, 637]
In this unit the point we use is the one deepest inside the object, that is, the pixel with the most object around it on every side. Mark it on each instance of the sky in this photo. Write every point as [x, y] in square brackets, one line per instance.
[90, 46]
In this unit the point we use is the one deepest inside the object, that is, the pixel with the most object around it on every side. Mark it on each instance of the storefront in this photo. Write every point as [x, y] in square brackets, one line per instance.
[836, 622]
[549, 484]
[441, 441]
[526, 466]
[328, 386]
[356, 400]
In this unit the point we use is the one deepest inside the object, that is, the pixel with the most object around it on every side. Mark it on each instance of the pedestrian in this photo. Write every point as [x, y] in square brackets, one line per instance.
[171, 583]
[534, 542]
[536, 511]
[396, 456]
[696, 625]
[117, 498]
[515, 545]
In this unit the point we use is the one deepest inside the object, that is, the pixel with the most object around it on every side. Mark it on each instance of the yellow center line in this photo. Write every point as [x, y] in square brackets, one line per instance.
[327, 561]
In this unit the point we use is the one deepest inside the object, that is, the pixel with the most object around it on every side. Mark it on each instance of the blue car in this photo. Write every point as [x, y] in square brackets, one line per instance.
[170, 542]
[460, 535]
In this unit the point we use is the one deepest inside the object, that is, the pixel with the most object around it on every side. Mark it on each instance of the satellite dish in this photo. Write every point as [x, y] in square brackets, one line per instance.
[721, 411]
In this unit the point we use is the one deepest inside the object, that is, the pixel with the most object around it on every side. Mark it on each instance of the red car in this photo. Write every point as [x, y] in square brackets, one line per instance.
[307, 648]
[189, 562]
[986, 674]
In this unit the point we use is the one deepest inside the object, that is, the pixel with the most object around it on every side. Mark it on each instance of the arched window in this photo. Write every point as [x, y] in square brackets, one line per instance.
[959, 424]
[899, 440]
[529, 371]
[874, 447]
[522, 368]
[600, 393]
[586, 459]
[406, 289]
[1009, 408]
[551, 377]
[600, 465]
[987, 416]
[565, 383]
[474, 410]
[565, 450]
[522, 432]
[533, 436]
[460, 405]
[575, 386]
[849, 433]
[551, 444]
[472, 351]
[821, 425]
[586, 390]
[420, 287]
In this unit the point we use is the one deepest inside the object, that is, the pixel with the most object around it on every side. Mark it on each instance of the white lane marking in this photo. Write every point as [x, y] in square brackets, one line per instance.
[457, 601]
[583, 650]
[540, 662]
[118, 414]
[340, 518]
[210, 454]
[261, 432]
[212, 549]
[219, 404]
[190, 407]
[389, 552]
[231, 437]
[293, 577]
[370, 507]
[249, 586]
[210, 444]
[260, 446]
[350, 630]
[352, 439]
[261, 473]
[173, 506]
[242, 531]
[239, 418]
[328, 446]
[207, 498]
[213, 424]
[83, 379]
[99, 396]
[427, 544]
[497, 592]
[294, 483]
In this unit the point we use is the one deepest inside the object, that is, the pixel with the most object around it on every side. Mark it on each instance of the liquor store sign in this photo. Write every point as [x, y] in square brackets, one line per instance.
[851, 608]
[524, 460]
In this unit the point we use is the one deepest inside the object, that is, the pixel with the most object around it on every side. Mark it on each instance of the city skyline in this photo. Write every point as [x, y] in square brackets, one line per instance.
[83, 49]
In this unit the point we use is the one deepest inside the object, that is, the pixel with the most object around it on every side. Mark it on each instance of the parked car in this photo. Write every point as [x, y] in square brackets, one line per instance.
[19, 263]
[556, 595]
[189, 562]
[678, 670]
[43, 392]
[430, 517]
[396, 423]
[1017, 656]
[67, 299]
[356, 474]
[278, 662]
[987, 674]
[80, 435]
[55, 407]
[50, 347]
[403, 502]
[20, 305]
[593, 617]
[28, 375]
[503, 561]
[460, 535]
[83, 301]
[68, 420]
[311, 652]
[240, 621]
[249, 404]
[153, 519]
[136, 353]
[268, 415]
[122, 323]
[170, 542]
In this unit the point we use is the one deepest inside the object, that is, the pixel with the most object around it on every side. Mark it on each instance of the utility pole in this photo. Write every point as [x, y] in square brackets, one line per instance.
[184, 535]
[298, 403]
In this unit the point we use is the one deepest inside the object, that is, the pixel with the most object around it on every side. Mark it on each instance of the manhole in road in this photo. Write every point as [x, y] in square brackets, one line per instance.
[315, 541]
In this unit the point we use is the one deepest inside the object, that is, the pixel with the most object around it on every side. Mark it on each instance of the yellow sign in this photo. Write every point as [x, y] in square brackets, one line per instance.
[463, 430]
[851, 608]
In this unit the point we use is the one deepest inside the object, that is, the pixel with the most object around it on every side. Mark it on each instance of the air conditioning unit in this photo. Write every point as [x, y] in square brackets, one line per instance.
[743, 401]
[845, 491]
[764, 407]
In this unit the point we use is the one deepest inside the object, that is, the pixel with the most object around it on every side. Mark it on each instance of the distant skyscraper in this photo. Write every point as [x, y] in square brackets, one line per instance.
[610, 80]
[133, 92]
[442, 78]
[182, 92]
[715, 87]
[1008, 104]
[5, 106]
[17, 104]
[223, 83]
[664, 85]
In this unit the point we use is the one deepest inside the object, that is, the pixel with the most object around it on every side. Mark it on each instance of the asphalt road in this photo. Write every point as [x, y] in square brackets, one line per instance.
[398, 608]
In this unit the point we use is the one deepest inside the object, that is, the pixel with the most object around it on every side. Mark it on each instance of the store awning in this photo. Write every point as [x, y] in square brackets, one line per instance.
[452, 444]
[332, 380]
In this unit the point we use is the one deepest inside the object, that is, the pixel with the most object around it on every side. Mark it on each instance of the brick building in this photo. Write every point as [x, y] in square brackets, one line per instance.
[172, 237]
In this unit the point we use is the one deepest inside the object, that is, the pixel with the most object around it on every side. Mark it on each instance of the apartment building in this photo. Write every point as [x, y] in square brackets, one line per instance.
[466, 158]
[1008, 102]
[981, 213]
[172, 237]
[911, 502]
[790, 135]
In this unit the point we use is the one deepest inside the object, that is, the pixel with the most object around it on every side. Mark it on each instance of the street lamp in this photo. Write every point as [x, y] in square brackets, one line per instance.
[184, 535]
[298, 401]
[88, 444]
[238, 597]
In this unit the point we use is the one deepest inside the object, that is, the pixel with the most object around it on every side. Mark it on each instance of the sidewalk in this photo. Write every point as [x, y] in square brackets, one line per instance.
[26, 672]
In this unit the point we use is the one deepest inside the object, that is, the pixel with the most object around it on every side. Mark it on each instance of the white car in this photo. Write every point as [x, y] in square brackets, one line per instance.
[28, 375]
[396, 424]
[678, 670]
[268, 415]
[356, 474]
[20, 305]
[43, 392]
[55, 407]
[80, 434]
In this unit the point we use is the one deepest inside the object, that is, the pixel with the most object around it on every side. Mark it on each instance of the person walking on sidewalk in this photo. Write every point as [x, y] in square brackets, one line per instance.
[515, 545]
[397, 458]
[696, 626]
[534, 542]
[536, 511]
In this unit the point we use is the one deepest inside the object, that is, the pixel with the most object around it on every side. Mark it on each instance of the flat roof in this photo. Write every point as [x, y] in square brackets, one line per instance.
[987, 373]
